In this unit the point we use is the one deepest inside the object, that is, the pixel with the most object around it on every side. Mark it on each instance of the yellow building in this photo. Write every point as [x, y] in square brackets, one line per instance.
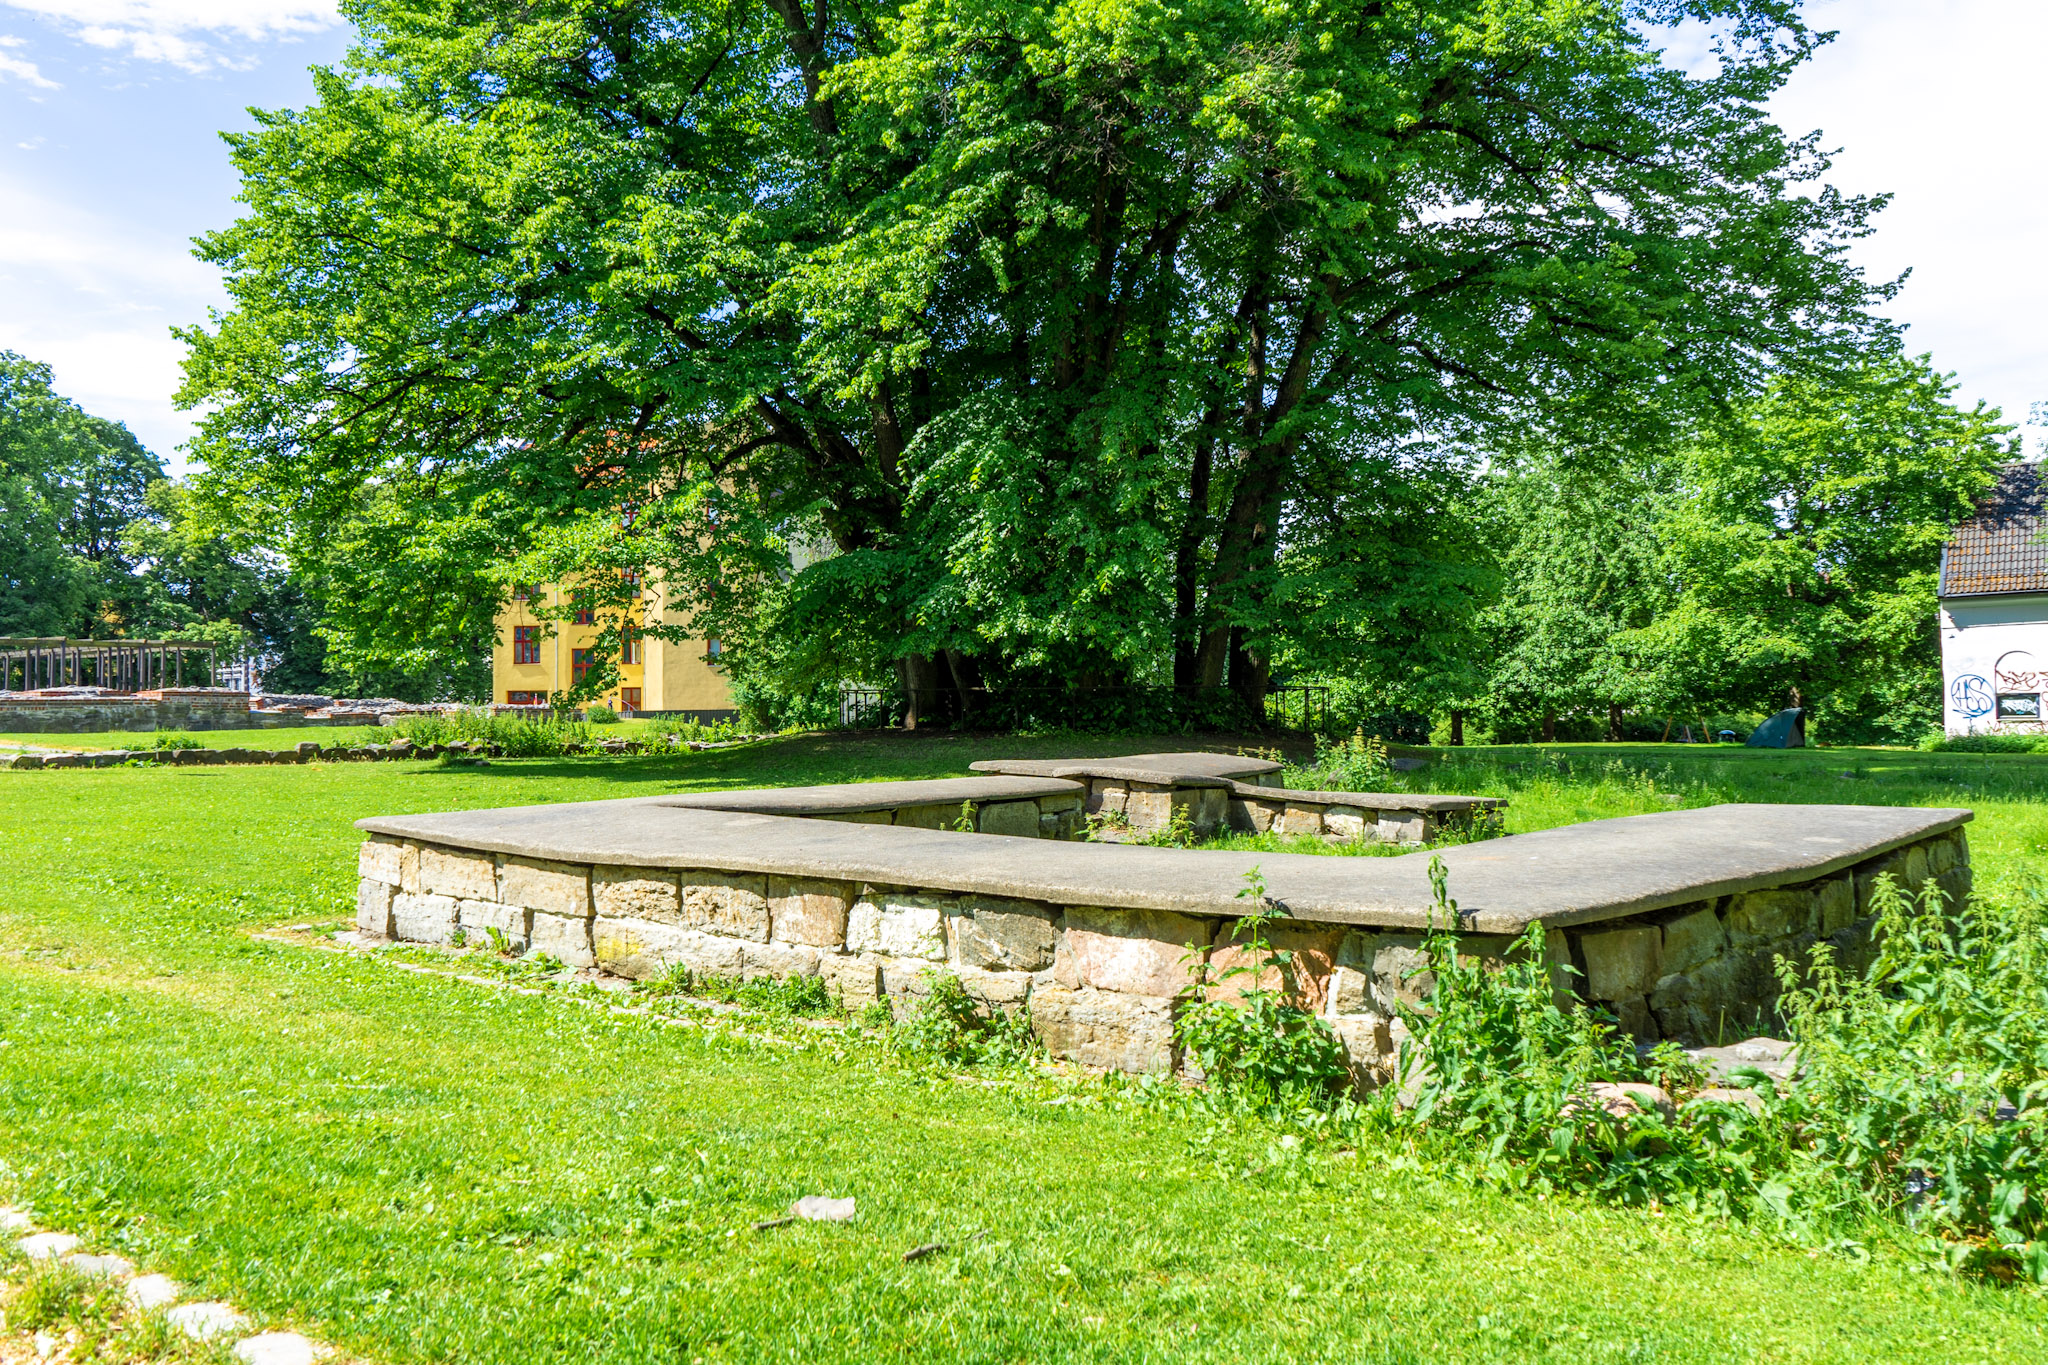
[532, 659]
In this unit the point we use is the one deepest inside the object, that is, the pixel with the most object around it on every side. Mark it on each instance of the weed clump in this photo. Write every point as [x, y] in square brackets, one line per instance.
[950, 1027]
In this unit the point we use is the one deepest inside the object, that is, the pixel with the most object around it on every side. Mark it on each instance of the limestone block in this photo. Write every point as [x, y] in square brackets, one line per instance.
[861, 817]
[1724, 997]
[1636, 1020]
[1942, 853]
[1150, 806]
[1210, 806]
[478, 918]
[636, 893]
[1403, 827]
[1262, 816]
[635, 948]
[1692, 939]
[382, 858]
[1621, 963]
[1766, 916]
[801, 910]
[1349, 822]
[898, 926]
[1138, 952]
[423, 919]
[1369, 1044]
[1348, 993]
[1401, 973]
[778, 960]
[1298, 818]
[1106, 796]
[1357, 949]
[928, 817]
[1003, 935]
[558, 888]
[735, 905]
[995, 987]
[565, 936]
[856, 980]
[1867, 875]
[1049, 825]
[462, 875]
[373, 907]
[1837, 897]
[1305, 977]
[1105, 1028]
[1914, 867]
[1018, 819]
[1053, 805]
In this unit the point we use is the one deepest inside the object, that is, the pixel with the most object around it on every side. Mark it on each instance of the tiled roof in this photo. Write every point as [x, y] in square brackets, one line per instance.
[2000, 549]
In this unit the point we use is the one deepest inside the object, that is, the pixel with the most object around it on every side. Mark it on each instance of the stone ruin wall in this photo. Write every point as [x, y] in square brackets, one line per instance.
[1102, 984]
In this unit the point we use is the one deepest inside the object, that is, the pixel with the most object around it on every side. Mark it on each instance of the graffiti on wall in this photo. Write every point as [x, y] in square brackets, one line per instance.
[1971, 696]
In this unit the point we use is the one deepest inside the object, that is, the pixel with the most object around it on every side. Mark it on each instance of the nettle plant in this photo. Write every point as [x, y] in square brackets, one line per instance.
[1265, 1048]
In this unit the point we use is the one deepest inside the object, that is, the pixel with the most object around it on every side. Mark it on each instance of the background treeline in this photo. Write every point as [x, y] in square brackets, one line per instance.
[97, 542]
[1462, 350]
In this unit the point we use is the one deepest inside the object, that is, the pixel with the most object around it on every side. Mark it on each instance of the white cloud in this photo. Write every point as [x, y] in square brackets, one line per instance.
[20, 67]
[196, 35]
[95, 299]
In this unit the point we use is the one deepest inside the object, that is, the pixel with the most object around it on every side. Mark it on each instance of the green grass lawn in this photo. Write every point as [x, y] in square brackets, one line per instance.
[420, 1169]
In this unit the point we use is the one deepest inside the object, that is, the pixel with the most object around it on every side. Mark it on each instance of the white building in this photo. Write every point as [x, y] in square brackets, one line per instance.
[1994, 611]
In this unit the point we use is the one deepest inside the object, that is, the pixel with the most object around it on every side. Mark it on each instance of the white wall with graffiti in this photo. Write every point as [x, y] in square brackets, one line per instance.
[1994, 662]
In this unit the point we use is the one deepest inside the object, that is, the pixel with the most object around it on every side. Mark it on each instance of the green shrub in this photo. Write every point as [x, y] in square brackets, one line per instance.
[174, 739]
[1985, 744]
[952, 1028]
[682, 730]
[600, 714]
[514, 736]
[1921, 1094]
[1264, 1049]
[1357, 764]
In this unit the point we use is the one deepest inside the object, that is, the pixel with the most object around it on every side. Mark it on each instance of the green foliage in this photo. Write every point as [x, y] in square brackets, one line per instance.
[673, 730]
[1261, 1049]
[1938, 743]
[600, 715]
[949, 1027]
[174, 739]
[516, 736]
[987, 346]
[1359, 763]
[796, 996]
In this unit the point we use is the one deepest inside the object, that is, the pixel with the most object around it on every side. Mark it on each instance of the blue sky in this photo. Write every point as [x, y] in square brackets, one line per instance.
[110, 162]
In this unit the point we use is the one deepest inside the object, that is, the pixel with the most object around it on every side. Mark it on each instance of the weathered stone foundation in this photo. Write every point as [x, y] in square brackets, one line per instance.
[1672, 921]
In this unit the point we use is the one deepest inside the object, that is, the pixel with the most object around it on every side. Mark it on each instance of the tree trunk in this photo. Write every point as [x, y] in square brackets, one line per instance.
[1614, 722]
[1549, 727]
[1667, 731]
[920, 689]
[1458, 728]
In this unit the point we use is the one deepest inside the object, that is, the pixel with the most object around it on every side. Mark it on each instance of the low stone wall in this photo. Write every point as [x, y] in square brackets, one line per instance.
[190, 708]
[1673, 921]
[1145, 793]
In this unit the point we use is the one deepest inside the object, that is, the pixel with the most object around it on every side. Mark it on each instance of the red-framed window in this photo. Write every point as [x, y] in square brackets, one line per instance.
[526, 644]
[526, 699]
[520, 592]
[630, 651]
[629, 698]
[579, 665]
[585, 616]
[712, 648]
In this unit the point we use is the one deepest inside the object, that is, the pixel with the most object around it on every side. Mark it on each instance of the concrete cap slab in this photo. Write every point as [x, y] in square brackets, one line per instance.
[854, 797]
[1603, 869]
[1166, 770]
[1368, 800]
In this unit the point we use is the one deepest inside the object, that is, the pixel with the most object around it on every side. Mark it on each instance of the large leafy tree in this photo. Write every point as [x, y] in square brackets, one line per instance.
[1805, 547]
[1065, 327]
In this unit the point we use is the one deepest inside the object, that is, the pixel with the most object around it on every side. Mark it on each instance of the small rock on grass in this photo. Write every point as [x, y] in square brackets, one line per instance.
[279, 1348]
[1723, 1094]
[820, 1209]
[153, 1291]
[46, 1245]
[14, 1220]
[205, 1321]
[100, 1265]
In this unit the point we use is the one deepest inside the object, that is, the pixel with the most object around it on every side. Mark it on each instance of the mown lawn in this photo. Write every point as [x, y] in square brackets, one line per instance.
[419, 1169]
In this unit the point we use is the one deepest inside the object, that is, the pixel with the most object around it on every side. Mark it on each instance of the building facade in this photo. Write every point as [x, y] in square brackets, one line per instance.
[533, 659]
[1994, 612]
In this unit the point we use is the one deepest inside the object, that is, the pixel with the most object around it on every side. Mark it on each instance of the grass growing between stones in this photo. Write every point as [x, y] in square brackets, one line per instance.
[416, 1168]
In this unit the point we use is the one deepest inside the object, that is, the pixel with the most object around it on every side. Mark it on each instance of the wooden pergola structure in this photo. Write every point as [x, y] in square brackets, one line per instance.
[116, 665]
